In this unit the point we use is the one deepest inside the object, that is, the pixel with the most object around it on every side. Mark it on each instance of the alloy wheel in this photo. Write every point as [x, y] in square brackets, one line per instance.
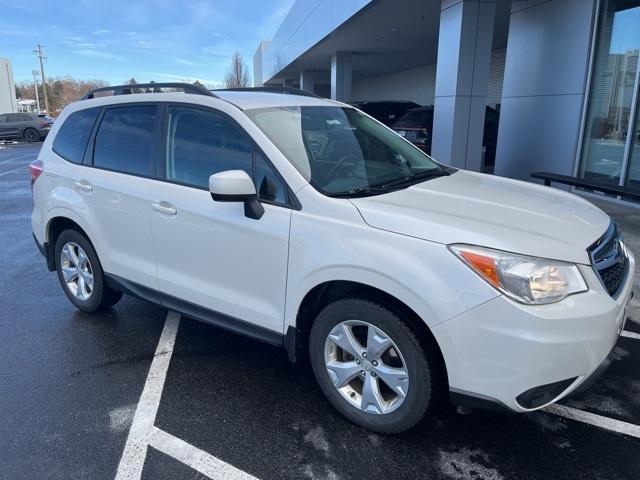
[76, 271]
[366, 367]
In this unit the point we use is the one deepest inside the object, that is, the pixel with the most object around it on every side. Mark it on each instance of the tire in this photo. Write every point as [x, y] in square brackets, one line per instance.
[100, 296]
[395, 415]
[31, 135]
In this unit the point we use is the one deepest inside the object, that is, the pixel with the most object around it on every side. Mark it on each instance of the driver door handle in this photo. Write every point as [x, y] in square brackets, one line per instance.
[164, 207]
[84, 186]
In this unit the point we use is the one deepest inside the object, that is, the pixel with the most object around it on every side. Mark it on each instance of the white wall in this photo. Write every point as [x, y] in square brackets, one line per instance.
[7, 87]
[418, 84]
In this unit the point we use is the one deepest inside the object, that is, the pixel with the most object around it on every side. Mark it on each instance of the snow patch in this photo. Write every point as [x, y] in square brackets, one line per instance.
[120, 418]
[467, 464]
[326, 473]
[317, 438]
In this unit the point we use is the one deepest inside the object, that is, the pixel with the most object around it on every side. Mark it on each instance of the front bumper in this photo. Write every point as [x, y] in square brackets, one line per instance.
[501, 350]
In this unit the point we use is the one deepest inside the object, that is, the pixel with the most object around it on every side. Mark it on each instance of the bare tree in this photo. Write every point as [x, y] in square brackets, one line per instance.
[237, 75]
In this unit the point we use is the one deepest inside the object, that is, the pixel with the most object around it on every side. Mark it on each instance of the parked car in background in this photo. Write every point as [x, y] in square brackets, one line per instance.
[25, 126]
[416, 125]
[388, 111]
[46, 117]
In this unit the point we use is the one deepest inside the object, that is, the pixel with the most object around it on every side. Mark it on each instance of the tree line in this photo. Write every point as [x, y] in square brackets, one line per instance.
[63, 90]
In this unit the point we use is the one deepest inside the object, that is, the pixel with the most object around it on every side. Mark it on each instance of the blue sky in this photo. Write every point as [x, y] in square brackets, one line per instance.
[113, 40]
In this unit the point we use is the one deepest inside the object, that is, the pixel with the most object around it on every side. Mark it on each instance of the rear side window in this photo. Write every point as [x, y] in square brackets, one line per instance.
[71, 140]
[124, 142]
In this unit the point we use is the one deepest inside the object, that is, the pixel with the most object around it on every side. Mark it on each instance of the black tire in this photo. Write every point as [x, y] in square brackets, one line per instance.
[102, 296]
[421, 365]
[31, 135]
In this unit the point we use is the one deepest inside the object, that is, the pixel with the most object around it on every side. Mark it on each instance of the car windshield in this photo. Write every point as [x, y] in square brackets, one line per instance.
[342, 152]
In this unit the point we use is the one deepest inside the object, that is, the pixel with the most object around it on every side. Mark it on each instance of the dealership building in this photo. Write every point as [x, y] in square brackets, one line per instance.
[564, 75]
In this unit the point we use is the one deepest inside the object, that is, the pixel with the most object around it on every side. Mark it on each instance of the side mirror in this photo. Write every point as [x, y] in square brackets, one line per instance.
[236, 186]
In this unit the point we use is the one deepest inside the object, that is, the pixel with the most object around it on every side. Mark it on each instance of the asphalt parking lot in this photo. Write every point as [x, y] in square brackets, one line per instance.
[220, 405]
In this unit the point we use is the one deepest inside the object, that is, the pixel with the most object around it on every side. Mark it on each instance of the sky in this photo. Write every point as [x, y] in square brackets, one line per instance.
[114, 40]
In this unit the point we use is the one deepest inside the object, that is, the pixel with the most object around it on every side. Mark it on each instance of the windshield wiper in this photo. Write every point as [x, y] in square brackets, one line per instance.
[359, 191]
[414, 178]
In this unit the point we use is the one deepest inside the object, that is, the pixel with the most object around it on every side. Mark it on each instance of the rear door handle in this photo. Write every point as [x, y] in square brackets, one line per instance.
[84, 186]
[164, 207]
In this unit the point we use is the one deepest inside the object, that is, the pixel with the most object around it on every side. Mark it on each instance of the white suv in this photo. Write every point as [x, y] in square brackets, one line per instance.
[303, 222]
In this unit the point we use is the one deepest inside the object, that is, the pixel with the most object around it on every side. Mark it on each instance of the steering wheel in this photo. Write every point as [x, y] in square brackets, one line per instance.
[342, 163]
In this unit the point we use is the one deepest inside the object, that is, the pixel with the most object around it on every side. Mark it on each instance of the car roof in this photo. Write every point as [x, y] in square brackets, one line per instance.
[250, 100]
[242, 100]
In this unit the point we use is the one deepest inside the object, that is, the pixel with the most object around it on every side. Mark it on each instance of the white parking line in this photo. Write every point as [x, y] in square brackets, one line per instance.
[594, 419]
[143, 432]
[194, 457]
[15, 170]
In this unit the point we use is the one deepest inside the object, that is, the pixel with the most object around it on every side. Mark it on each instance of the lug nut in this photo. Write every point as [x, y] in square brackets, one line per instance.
[363, 373]
[373, 374]
[358, 361]
[364, 354]
[374, 363]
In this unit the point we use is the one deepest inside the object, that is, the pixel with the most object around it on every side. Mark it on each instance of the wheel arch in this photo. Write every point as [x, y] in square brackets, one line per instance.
[323, 294]
[55, 226]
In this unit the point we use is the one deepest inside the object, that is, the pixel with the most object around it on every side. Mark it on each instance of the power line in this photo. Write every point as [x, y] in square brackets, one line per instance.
[40, 54]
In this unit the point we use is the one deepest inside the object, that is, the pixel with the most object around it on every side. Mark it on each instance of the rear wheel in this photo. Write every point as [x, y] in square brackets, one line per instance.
[31, 135]
[80, 273]
[371, 366]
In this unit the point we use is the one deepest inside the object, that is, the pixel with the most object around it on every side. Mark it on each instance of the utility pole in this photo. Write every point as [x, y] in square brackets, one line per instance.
[35, 85]
[40, 54]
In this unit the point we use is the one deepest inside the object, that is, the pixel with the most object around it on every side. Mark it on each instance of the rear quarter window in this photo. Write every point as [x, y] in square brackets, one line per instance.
[72, 138]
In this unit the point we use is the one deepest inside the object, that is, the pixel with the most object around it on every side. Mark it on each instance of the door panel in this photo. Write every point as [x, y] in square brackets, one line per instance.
[210, 254]
[119, 207]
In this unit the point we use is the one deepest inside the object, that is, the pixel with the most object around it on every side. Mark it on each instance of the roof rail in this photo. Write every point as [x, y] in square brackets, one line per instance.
[270, 89]
[150, 88]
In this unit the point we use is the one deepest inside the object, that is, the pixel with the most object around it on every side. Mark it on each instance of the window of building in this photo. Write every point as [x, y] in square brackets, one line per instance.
[71, 141]
[124, 142]
[611, 148]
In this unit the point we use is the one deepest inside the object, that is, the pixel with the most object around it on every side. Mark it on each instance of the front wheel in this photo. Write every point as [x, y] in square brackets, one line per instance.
[80, 273]
[371, 366]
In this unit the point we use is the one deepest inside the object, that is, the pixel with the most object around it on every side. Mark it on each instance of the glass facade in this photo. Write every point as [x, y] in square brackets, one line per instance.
[611, 148]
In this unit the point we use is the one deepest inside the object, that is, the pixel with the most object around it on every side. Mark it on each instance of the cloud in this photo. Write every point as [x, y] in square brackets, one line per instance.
[182, 61]
[101, 32]
[98, 54]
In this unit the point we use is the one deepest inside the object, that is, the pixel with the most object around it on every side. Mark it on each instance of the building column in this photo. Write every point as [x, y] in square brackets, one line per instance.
[307, 81]
[341, 76]
[462, 76]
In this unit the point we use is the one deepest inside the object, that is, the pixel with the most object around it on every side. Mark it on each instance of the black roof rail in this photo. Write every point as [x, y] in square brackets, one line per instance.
[270, 89]
[150, 88]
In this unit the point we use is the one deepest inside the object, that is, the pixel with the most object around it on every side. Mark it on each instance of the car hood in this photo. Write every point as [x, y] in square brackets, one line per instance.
[490, 211]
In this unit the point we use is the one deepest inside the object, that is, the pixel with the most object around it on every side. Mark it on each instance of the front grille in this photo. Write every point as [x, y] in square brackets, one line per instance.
[610, 259]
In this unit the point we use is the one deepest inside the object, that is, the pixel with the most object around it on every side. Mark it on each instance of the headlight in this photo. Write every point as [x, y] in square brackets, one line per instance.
[530, 280]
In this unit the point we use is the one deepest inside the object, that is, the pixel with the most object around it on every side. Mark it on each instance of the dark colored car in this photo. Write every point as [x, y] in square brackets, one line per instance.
[417, 126]
[24, 126]
[387, 112]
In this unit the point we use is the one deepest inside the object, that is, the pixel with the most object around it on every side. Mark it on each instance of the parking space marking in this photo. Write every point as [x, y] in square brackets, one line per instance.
[628, 334]
[143, 433]
[607, 423]
[15, 170]
[135, 449]
[195, 458]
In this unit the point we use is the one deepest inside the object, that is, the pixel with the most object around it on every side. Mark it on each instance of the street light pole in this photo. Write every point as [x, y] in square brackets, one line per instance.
[35, 85]
[40, 54]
